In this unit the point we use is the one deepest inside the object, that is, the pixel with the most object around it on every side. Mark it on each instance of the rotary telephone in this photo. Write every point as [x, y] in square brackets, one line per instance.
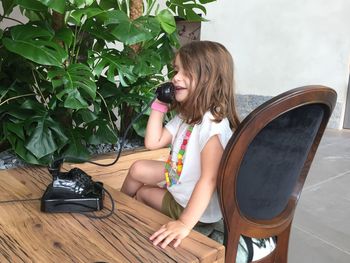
[72, 191]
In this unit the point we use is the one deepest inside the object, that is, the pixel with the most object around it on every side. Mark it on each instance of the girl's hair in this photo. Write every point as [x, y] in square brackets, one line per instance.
[210, 68]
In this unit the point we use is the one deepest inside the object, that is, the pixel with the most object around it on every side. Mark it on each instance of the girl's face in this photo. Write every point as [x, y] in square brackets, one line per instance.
[181, 81]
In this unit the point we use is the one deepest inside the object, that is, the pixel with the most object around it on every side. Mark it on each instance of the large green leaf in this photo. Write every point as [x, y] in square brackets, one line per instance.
[107, 89]
[25, 154]
[100, 33]
[149, 24]
[15, 128]
[115, 17]
[104, 133]
[167, 21]
[35, 106]
[32, 5]
[140, 126]
[147, 62]
[115, 64]
[41, 141]
[174, 39]
[75, 148]
[203, 2]
[73, 99]
[129, 33]
[31, 31]
[57, 5]
[187, 9]
[84, 116]
[122, 5]
[34, 43]
[59, 133]
[46, 137]
[74, 77]
[65, 35]
[41, 52]
[108, 4]
[82, 3]
[166, 52]
[15, 113]
[78, 15]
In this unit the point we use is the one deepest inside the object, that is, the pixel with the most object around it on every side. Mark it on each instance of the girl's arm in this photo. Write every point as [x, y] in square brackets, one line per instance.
[156, 135]
[201, 195]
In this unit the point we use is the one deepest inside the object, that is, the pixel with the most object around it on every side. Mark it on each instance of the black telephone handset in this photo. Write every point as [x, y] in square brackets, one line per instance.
[166, 92]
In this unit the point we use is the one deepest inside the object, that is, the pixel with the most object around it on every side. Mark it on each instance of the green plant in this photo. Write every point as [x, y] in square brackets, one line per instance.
[79, 66]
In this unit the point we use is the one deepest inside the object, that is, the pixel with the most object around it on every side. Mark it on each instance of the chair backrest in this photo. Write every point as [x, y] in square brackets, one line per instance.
[265, 165]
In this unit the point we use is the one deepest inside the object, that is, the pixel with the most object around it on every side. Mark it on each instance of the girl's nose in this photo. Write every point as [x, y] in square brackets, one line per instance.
[176, 77]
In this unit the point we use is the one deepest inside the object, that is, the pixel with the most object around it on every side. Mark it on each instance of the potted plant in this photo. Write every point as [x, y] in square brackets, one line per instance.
[78, 67]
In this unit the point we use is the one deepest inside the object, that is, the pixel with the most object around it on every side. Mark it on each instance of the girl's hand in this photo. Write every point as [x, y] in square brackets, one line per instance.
[174, 230]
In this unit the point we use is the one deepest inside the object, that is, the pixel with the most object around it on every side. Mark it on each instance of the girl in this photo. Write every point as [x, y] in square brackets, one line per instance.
[206, 115]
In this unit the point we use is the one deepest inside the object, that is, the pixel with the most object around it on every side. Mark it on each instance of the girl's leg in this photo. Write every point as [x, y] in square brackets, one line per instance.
[151, 196]
[143, 172]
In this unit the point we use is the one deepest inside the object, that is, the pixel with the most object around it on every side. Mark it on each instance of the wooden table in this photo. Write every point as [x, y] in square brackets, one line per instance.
[28, 235]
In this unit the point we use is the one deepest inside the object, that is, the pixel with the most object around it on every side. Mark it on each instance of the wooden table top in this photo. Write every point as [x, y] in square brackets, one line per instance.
[29, 235]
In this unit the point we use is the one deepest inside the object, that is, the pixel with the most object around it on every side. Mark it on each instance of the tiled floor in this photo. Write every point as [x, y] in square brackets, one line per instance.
[321, 227]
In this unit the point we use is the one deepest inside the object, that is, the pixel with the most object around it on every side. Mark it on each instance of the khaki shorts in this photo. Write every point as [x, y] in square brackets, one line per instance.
[170, 207]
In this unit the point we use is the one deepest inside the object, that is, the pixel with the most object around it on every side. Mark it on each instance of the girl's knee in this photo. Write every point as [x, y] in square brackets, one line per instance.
[136, 168]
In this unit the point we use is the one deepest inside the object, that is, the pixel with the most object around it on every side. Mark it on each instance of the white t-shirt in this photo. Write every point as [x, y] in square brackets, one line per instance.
[191, 170]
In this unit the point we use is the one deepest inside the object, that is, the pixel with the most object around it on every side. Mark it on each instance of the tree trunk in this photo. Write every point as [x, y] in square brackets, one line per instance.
[136, 10]
[57, 21]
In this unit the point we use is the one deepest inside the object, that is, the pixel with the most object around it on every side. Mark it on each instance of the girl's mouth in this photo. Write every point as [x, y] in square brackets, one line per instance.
[178, 88]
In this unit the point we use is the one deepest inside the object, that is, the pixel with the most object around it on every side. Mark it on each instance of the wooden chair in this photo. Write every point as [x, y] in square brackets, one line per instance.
[265, 165]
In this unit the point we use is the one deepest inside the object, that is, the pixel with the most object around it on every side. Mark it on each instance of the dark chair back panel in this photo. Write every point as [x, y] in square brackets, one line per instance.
[273, 162]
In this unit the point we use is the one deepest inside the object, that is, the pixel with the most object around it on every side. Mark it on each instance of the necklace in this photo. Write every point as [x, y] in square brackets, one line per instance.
[172, 174]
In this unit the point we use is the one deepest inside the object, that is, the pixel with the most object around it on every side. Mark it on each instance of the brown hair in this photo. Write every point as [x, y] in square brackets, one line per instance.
[210, 67]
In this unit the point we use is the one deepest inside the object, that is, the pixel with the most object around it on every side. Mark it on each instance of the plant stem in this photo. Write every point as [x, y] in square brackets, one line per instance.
[74, 42]
[39, 90]
[79, 43]
[109, 115]
[16, 97]
[149, 8]
[10, 18]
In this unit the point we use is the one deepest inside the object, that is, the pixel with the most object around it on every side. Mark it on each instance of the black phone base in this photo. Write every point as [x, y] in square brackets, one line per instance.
[72, 191]
[53, 202]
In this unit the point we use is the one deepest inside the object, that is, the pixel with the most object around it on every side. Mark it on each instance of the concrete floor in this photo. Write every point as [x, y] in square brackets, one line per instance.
[321, 227]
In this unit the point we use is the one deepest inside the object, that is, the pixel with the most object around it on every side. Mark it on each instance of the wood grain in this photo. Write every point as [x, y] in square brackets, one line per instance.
[29, 235]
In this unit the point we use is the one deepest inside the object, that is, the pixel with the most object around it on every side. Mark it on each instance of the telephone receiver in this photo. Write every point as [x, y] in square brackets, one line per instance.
[166, 92]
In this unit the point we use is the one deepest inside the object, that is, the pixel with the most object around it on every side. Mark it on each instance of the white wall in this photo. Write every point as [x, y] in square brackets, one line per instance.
[281, 44]
[15, 14]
